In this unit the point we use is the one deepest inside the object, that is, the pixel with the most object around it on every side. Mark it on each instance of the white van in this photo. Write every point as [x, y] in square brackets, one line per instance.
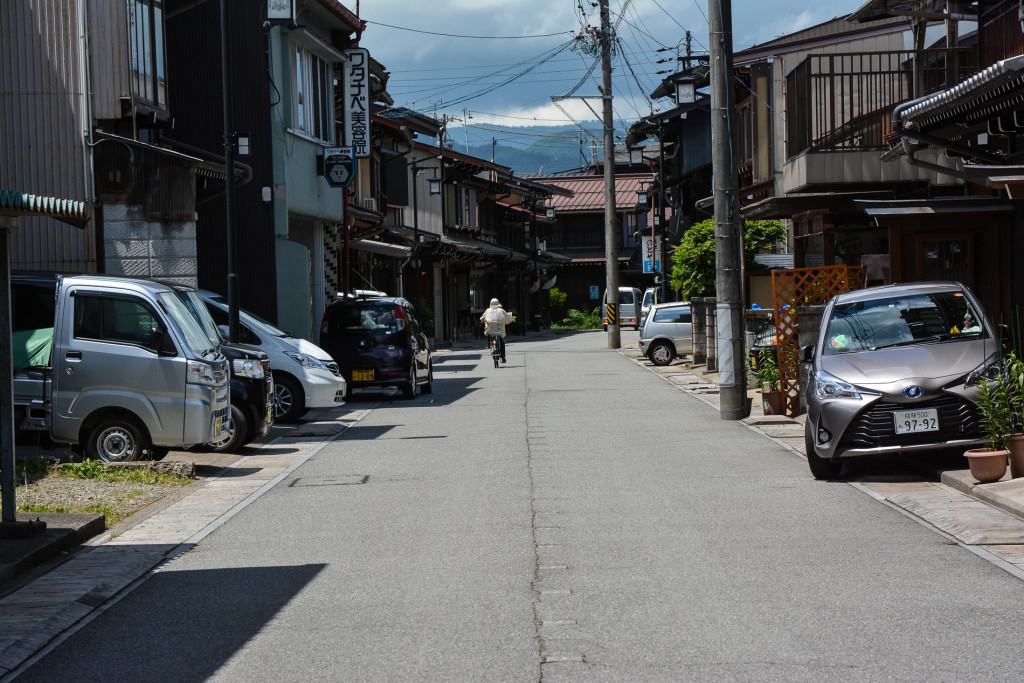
[305, 376]
[629, 307]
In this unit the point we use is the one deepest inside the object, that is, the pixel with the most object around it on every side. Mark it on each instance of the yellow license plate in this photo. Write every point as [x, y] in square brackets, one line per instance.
[362, 375]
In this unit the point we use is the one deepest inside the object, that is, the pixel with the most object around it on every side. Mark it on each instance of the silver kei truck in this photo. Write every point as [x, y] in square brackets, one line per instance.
[116, 366]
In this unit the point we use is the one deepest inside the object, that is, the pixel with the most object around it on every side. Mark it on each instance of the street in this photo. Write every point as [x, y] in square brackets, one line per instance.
[568, 516]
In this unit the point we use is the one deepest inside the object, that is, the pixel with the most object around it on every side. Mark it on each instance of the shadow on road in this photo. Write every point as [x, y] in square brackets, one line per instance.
[177, 626]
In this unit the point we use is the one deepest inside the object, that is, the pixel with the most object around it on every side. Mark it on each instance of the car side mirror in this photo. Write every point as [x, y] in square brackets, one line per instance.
[162, 344]
[807, 354]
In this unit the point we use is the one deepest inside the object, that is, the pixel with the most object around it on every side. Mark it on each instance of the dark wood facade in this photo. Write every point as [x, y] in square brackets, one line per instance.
[193, 54]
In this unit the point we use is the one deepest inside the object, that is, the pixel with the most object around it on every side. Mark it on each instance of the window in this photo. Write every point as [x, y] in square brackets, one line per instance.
[678, 314]
[149, 65]
[245, 334]
[312, 95]
[123, 321]
[626, 298]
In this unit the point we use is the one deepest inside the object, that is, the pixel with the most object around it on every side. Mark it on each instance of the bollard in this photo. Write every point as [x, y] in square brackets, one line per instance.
[711, 333]
[698, 330]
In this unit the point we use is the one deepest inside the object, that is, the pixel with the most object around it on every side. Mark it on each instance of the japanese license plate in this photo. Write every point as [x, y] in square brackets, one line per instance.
[915, 421]
[362, 375]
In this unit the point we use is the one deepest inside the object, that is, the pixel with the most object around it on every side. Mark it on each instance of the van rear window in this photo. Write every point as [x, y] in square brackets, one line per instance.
[365, 318]
[626, 298]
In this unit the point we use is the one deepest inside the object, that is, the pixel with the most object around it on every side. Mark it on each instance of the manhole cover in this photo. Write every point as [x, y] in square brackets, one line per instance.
[344, 480]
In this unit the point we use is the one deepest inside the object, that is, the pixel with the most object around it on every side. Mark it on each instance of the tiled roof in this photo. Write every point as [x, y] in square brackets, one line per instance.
[588, 191]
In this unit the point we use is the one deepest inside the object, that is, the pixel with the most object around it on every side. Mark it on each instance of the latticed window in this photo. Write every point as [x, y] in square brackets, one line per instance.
[312, 95]
[148, 59]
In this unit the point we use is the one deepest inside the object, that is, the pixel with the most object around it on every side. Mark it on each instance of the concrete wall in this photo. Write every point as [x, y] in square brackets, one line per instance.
[135, 247]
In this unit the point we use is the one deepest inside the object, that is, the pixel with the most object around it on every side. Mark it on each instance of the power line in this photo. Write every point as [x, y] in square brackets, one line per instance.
[463, 35]
[520, 118]
[464, 67]
[685, 30]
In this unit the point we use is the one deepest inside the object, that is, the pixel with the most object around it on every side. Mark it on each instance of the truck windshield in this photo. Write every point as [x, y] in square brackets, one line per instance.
[902, 321]
[194, 303]
[195, 337]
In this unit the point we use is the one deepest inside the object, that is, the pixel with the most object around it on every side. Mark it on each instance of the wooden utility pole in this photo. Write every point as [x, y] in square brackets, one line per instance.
[728, 224]
[611, 245]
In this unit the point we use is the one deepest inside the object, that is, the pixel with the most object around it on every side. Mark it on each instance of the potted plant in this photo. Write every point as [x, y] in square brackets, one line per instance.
[989, 464]
[1015, 395]
[766, 373]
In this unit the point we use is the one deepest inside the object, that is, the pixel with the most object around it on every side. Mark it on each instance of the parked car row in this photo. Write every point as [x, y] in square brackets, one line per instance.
[894, 370]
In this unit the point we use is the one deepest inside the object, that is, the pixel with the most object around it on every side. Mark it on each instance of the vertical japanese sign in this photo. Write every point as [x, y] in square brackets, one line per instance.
[652, 255]
[357, 101]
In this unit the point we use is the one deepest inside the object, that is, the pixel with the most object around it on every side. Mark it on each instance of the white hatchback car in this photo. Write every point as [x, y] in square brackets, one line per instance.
[667, 332]
[305, 376]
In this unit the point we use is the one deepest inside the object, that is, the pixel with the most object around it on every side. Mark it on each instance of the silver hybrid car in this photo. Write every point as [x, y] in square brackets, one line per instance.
[896, 370]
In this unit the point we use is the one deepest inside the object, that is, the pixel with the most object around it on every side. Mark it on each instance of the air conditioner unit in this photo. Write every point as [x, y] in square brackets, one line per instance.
[369, 203]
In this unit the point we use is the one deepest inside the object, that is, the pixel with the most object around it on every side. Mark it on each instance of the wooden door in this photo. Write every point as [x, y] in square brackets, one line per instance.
[946, 257]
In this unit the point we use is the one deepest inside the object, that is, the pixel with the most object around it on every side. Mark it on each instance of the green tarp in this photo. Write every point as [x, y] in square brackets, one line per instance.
[31, 348]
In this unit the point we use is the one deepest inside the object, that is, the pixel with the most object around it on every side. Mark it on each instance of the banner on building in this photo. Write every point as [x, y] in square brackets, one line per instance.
[652, 255]
[357, 101]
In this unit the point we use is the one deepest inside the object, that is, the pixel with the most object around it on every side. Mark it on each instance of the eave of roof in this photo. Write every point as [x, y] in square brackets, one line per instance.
[987, 79]
[13, 203]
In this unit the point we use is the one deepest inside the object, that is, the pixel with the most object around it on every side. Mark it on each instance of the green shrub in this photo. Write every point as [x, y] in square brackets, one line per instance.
[693, 259]
[576, 319]
[557, 299]
[996, 412]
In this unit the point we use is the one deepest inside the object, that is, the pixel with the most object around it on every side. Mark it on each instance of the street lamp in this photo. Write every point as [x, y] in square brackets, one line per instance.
[686, 90]
[549, 213]
[641, 198]
[636, 156]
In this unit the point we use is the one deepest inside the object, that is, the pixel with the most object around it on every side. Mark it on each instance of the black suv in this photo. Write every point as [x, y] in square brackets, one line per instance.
[378, 342]
[252, 385]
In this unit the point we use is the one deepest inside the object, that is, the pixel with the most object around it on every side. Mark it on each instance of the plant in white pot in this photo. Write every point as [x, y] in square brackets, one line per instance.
[1015, 396]
[994, 405]
[767, 375]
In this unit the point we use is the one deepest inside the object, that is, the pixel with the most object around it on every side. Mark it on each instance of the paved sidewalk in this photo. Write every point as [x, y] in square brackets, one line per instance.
[40, 612]
[987, 519]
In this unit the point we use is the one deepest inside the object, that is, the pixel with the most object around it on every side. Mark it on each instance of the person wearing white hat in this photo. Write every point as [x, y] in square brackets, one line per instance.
[495, 319]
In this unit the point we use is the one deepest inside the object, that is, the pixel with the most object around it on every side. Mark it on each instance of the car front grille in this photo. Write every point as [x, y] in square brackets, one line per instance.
[875, 427]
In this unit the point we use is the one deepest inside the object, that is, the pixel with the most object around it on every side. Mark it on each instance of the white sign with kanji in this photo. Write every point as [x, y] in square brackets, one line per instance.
[651, 255]
[356, 70]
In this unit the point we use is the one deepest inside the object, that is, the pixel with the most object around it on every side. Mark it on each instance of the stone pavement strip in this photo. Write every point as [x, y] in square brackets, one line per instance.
[986, 519]
[38, 613]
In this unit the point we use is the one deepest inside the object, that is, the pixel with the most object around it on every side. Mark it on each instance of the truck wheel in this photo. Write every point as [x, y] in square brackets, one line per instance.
[661, 353]
[117, 439]
[820, 467]
[289, 399]
[236, 435]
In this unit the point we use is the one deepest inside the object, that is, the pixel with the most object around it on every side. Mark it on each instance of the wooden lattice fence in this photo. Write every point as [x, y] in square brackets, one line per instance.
[796, 287]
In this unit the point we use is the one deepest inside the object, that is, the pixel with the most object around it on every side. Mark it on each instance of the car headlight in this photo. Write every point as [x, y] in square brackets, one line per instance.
[306, 361]
[827, 387]
[244, 367]
[990, 370]
[197, 372]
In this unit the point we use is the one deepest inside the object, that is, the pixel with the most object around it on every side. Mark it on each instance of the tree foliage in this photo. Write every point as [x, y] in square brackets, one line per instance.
[693, 259]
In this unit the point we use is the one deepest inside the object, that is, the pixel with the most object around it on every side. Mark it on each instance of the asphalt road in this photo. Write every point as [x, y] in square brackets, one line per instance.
[569, 505]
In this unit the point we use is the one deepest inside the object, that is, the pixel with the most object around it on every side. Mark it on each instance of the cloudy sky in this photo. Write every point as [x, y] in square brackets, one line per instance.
[448, 74]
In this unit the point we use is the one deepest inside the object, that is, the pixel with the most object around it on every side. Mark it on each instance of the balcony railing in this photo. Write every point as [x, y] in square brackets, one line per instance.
[844, 102]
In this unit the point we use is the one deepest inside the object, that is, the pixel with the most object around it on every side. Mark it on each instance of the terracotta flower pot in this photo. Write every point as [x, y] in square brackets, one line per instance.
[987, 465]
[1017, 456]
[773, 403]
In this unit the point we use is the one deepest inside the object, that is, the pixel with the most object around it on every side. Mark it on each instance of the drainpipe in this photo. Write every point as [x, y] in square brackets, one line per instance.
[88, 170]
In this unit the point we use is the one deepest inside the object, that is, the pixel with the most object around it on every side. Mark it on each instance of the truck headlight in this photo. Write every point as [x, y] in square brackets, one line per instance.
[247, 368]
[827, 387]
[306, 361]
[197, 372]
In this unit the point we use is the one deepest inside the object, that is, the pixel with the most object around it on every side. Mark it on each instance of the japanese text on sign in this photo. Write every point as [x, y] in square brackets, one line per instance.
[357, 101]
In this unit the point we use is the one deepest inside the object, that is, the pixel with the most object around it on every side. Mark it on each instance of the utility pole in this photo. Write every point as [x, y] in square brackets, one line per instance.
[611, 246]
[728, 225]
[661, 242]
[229, 179]
[465, 127]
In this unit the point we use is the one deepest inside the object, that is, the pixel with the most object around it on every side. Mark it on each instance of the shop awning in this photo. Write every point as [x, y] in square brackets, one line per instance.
[789, 205]
[382, 248]
[944, 205]
[21, 204]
